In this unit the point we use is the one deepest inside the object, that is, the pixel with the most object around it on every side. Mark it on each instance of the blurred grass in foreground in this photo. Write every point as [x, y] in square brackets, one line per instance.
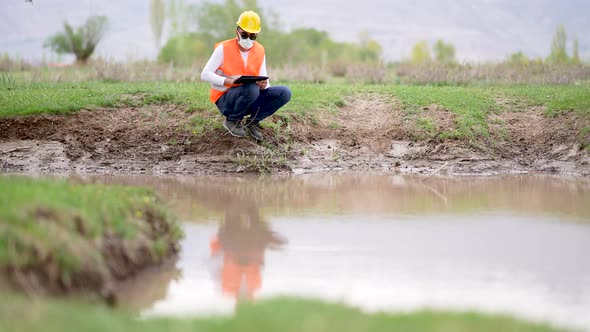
[63, 231]
[287, 315]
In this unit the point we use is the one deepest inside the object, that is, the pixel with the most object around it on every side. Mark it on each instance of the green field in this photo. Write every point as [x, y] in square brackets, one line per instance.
[471, 104]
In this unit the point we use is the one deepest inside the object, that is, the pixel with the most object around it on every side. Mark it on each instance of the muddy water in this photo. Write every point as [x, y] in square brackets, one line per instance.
[515, 245]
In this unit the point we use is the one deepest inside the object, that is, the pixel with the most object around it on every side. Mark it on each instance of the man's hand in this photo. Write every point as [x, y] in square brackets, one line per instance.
[230, 80]
[262, 84]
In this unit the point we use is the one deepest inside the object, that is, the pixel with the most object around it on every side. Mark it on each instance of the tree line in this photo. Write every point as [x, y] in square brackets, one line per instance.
[196, 28]
[193, 30]
[444, 53]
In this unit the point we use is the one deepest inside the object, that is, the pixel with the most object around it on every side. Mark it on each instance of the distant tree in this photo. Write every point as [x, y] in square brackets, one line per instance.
[179, 17]
[370, 49]
[576, 53]
[214, 21]
[421, 53]
[81, 41]
[186, 49]
[444, 53]
[219, 19]
[157, 18]
[558, 53]
[518, 58]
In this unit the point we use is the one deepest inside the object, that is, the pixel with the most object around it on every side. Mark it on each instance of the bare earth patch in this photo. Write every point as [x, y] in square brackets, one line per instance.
[369, 132]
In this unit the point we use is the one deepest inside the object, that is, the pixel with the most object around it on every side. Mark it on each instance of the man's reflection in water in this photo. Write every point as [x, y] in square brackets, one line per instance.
[240, 244]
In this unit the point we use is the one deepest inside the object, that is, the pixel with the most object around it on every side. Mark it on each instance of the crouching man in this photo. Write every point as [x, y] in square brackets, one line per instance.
[243, 105]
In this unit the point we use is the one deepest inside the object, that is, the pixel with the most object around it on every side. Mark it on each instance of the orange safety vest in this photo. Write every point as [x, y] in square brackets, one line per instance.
[233, 64]
[234, 273]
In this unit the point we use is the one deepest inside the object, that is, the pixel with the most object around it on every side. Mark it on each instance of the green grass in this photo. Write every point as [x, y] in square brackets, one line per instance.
[34, 98]
[63, 223]
[308, 98]
[286, 315]
[470, 104]
[554, 98]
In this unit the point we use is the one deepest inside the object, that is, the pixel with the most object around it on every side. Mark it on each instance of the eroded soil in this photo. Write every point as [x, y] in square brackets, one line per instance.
[106, 261]
[367, 133]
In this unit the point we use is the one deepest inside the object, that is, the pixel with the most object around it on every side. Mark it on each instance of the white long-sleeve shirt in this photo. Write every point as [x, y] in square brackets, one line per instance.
[216, 60]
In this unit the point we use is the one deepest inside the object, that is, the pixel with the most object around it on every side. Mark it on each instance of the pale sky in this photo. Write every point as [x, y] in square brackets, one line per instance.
[481, 30]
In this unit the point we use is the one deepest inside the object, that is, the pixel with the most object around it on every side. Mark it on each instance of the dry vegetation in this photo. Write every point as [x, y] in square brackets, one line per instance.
[372, 73]
[501, 73]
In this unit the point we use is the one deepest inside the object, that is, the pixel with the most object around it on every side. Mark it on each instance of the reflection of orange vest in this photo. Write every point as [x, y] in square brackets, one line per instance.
[235, 272]
[233, 63]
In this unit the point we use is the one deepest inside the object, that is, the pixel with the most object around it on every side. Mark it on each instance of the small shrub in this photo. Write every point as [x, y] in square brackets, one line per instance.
[502, 73]
[366, 73]
[9, 64]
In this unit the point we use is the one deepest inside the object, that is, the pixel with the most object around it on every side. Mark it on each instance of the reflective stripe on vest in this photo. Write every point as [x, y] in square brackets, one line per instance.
[233, 64]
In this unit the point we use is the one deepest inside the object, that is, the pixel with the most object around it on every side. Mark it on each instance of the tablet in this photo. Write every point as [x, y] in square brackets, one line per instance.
[246, 79]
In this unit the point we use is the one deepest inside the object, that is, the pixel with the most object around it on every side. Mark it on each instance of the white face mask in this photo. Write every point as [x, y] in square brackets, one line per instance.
[245, 43]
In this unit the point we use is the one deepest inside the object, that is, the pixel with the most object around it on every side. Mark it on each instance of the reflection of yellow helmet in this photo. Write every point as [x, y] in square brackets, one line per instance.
[249, 21]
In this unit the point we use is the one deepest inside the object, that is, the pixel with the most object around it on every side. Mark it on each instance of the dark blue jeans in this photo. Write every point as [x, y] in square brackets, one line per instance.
[248, 99]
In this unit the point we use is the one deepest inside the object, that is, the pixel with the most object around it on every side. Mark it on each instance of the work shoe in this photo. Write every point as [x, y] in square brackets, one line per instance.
[234, 127]
[254, 130]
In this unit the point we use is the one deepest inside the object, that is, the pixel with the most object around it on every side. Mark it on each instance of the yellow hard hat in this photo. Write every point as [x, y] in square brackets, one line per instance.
[249, 21]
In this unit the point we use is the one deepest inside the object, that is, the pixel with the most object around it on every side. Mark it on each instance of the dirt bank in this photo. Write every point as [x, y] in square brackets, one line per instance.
[367, 133]
[61, 237]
